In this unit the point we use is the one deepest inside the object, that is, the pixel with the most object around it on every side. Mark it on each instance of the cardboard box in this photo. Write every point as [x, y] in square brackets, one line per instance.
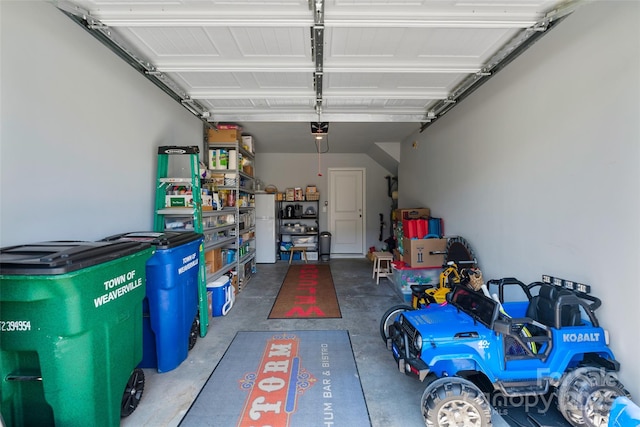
[413, 213]
[207, 202]
[290, 195]
[224, 135]
[213, 259]
[247, 143]
[248, 169]
[420, 252]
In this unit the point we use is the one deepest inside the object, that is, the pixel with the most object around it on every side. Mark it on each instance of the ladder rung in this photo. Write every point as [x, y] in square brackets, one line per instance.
[182, 180]
[175, 211]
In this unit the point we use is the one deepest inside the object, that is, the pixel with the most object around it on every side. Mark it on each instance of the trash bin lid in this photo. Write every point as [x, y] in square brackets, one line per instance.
[161, 240]
[325, 234]
[59, 257]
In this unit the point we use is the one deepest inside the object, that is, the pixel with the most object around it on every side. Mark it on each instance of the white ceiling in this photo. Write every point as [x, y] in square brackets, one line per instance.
[385, 65]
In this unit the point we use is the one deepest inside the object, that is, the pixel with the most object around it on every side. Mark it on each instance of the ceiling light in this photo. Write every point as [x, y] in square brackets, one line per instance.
[319, 128]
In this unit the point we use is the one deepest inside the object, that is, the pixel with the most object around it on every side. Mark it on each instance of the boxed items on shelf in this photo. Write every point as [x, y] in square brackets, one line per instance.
[247, 219]
[213, 260]
[224, 135]
[247, 143]
[212, 237]
[247, 166]
[412, 213]
[219, 158]
[216, 179]
[186, 200]
[297, 228]
[178, 223]
[179, 201]
[312, 256]
[207, 202]
[289, 195]
[304, 241]
[218, 220]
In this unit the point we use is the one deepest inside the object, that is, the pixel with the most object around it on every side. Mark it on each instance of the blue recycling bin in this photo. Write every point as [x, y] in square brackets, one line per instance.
[170, 307]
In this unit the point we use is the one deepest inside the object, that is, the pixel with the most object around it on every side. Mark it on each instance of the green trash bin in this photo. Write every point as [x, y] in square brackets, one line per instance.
[71, 332]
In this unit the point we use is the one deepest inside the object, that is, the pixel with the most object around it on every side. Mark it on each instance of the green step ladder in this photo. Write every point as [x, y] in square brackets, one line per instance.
[160, 212]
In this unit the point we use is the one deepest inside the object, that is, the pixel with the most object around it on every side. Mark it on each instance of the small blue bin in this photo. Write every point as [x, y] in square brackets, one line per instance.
[624, 413]
[222, 296]
[171, 303]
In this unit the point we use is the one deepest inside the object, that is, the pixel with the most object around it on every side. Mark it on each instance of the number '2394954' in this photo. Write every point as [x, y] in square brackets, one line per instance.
[15, 325]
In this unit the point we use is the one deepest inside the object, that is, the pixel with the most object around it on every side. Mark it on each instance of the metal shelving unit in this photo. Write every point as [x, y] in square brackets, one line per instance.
[291, 233]
[240, 184]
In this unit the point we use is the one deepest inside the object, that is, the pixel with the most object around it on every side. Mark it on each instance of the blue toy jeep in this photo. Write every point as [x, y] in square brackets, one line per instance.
[545, 338]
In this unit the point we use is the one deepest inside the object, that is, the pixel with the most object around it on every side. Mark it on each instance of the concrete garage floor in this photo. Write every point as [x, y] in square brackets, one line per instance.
[393, 399]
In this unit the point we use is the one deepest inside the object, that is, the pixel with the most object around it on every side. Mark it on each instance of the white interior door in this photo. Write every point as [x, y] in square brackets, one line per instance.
[346, 210]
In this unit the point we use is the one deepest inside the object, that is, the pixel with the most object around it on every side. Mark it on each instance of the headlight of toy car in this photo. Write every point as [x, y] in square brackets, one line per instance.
[417, 342]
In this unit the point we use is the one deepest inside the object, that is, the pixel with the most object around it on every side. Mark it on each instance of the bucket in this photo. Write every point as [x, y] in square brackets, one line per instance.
[222, 296]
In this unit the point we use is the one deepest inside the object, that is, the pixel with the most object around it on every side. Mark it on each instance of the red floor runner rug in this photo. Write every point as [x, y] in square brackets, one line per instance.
[283, 379]
[307, 292]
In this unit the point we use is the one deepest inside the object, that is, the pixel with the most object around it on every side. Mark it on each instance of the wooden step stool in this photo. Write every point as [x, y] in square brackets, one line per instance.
[298, 249]
[382, 265]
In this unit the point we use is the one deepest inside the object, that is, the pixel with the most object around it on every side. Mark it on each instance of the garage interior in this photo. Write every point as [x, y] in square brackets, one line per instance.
[532, 154]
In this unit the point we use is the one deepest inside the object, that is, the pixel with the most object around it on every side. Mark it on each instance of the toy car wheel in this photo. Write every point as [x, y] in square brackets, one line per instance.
[453, 401]
[132, 393]
[193, 334]
[585, 396]
[389, 317]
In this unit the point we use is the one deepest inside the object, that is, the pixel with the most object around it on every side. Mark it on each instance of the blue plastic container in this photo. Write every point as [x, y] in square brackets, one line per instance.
[171, 303]
[222, 296]
[624, 413]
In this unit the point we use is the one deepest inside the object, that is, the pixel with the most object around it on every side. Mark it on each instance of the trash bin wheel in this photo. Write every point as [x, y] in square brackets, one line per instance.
[132, 393]
[195, 330]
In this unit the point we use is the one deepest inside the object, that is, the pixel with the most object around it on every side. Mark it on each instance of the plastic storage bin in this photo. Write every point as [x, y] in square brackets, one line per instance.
[170, 308]
[403, 277]
[71, 332]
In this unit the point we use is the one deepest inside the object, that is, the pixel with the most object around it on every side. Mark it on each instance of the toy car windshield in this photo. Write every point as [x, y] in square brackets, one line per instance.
[475, 304]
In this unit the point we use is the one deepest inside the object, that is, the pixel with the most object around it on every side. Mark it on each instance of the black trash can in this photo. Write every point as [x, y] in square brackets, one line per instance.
[325, 246]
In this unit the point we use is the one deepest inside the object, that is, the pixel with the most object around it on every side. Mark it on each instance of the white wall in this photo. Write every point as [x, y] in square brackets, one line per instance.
[300, 170]
[79, 131]
[540, 168]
